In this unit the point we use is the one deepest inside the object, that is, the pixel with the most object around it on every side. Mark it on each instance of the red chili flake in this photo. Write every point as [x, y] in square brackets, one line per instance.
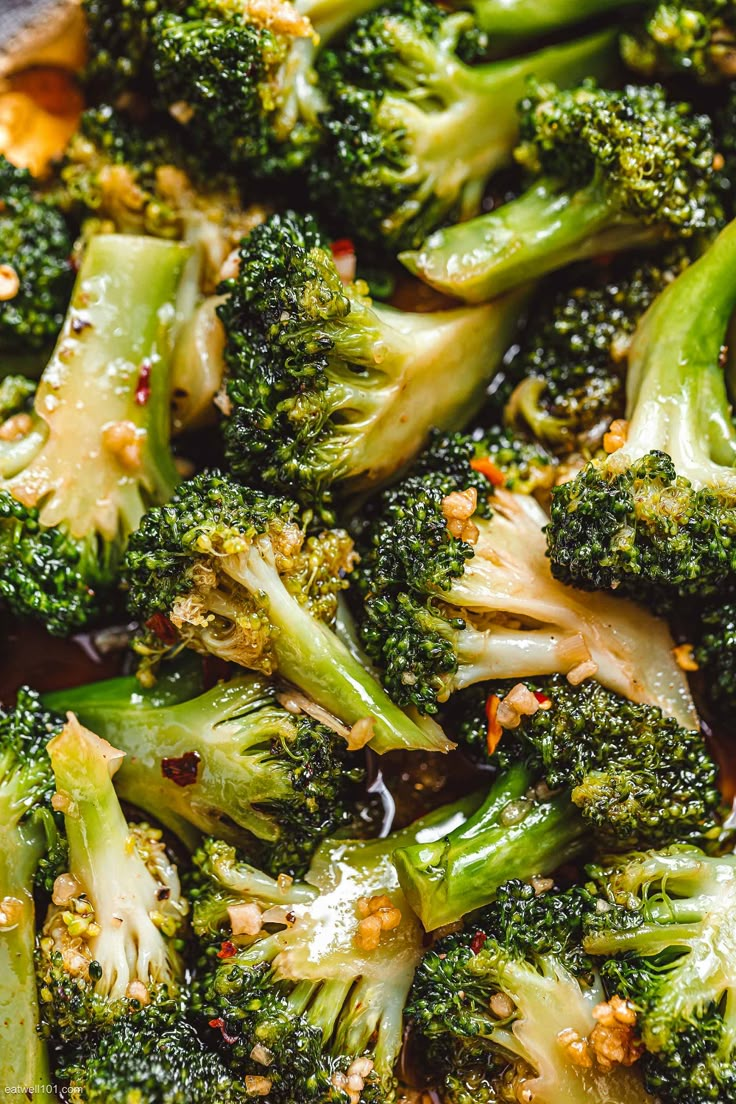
[495, 732]
[486, 467]
[477, 942]
[227, 950]
[342, 247]
[214, 670]
[161, 627]
[541, 697]
[182, 770]
[221, 1024]
[143, 386]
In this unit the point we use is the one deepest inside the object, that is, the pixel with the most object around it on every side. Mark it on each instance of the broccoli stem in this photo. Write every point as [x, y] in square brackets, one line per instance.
[677, 400]
[510, 836]
[314, 659]
[106, 389]
[23, 1057]
[541, 231]
[534, 17]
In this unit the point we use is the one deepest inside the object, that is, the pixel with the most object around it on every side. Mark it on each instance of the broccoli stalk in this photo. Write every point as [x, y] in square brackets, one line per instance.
[508, 1008]
[668, 918]
[694, 37]
[108, 944]
[330, 392]
[655, 518]
[529, 18]
[458, 590]
[229, 571]
[323, 987]
[26, 826]
[414, 133]
[613, 171]
[232, 762]
[96, 451]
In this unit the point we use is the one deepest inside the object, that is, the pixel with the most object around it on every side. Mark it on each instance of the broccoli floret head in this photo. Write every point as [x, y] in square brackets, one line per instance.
[655, 519]
[612, 170]
[414, 132]
[329, 391]
[29, 850]
[16, 393]
[665, 921]
[101, 409]
[110, 942]
[35, 264]
[638, 777]
[694, 37]
[571, 369]
[119, 42]
[161, 1060]
[456, 589]
[233, 762]
[715, 654]
[498, 454]
[499, 1005]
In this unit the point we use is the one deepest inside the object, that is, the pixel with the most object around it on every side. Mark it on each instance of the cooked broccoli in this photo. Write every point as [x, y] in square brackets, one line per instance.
[109, 944]
[531, 18]
[27, 833]
[714, 653]
[414, 132]
[143, 1059]
[668, 918]
[655, 519]
[457, 589]
[231, 572]
[75, 480]
[313, 1003]
[571, 369]
[510, 1008]
[695, 37]
[611, 171]
[232, 762]
[16, 393]
[119, 42]
[580, 765]
[501, 456]
[36, 273]
[329, 389]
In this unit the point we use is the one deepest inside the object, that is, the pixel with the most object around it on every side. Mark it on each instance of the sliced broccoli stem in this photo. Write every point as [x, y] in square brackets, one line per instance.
[534, 17]
[102, 406]
[512, 835]
[677, 400]
[543, 230]
[311, 656]
[23, 1058]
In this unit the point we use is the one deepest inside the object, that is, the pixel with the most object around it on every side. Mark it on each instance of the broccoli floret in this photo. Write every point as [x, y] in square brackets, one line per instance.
[231, 572]
[503, 457]
[119, 42]
[611, 171]
[328, 389]
[531, 18]
[27, 833]
[714, 652]
[319, 993]
[655, 519]
[571, 368]
[95, 451]
[35, 265]
[143, 1059]
[651, 779]
[580, 765]
[513, 1003]
[16, 393]
[414, 132]
[457, 589]
[232, 762]
[109, 944]
[668, 918]
[695, 37]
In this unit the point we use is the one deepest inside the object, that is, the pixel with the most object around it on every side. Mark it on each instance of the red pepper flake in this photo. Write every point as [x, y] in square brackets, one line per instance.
[342, 247]
[161, 627]
[214, 670]
[486, 467]
[182, 770]
[478, 941]
[495, 732]
[541, 697]
[221, 1024]
[143, 386]
[227, 950]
